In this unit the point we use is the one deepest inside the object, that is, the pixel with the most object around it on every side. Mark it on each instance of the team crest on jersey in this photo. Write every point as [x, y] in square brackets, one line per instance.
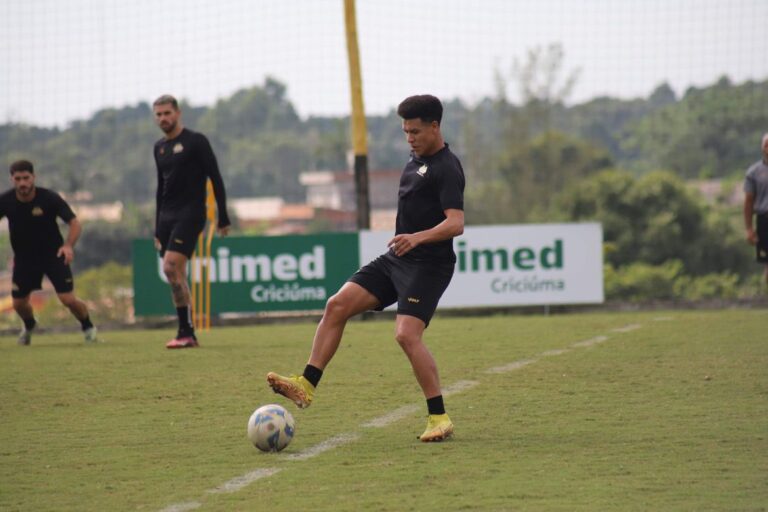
[178, 148]
[422, 170]
[37, 211]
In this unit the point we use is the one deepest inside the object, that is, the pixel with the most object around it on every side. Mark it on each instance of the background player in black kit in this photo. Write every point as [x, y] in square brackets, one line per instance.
[184, 161]
[39, 249]
[414, 272]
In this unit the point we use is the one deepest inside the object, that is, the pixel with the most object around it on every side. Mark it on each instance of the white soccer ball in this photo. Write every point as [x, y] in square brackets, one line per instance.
[271, 428]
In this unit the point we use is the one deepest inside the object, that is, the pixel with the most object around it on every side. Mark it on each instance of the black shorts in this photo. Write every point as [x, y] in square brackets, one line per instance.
[762, 238]
[415, 286]
[28, 276]
[179, 235]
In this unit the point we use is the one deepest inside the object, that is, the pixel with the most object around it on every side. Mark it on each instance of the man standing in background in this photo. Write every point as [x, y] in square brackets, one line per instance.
[185, 161]
[39, 249]
[756, 205]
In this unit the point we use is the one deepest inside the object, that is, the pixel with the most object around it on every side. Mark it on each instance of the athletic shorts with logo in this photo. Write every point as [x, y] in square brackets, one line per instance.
[415, 286]
[179, 235]
[762, 238]
[28, 275]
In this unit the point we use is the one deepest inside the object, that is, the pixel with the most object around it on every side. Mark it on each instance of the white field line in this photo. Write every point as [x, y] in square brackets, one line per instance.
[628, 328]
[590, 342]
[459, 387]
[514, 365]
[239, 482]
[555, 352]
[391, 417]
[324, 446]
[182, 507]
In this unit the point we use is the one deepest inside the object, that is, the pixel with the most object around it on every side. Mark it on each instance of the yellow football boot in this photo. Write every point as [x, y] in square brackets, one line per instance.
[439, 428]
[295, 388]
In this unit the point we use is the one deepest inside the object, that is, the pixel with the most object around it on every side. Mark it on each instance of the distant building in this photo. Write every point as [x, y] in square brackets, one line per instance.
[330, 206]
[335, 190]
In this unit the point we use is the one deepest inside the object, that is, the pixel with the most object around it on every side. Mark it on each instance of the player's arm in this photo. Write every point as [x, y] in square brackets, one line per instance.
[749, 205]
[158, 201]
[211, 167]
[451, 226]
[67, 251]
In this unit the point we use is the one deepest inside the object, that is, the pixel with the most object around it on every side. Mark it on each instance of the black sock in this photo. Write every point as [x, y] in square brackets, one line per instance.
[435, 405]
[29, 323]
[185, 322]
[86, 323]
[313, 374]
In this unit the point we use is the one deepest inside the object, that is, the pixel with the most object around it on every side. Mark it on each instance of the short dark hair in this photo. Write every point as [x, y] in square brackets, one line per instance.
[422, 106]
[21, 166]
[166, 99]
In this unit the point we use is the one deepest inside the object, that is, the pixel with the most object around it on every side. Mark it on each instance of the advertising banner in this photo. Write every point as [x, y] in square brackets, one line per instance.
[254, 274]
[531, 264]
[528, 264]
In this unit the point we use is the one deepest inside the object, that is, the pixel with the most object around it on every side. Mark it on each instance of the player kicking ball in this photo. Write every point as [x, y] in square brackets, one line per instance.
[414, 272]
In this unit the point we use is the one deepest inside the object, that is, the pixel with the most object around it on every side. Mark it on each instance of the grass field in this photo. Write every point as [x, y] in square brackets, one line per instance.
[616, 411]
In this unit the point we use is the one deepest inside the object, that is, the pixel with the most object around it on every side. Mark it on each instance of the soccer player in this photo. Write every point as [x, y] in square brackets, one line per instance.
[39, 249]
[185, 161]
[414, 272]
[756, 205]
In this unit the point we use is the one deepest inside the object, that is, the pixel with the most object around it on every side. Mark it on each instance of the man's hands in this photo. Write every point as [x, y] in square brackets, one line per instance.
[402, 244]
[67, 252]
[751, 236]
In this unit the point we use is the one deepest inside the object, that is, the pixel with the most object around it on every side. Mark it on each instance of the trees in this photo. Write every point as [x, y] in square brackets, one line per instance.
[654, 220]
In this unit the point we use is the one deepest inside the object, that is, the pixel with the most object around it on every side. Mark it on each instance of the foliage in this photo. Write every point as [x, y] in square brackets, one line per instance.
[103, 241]
[525, 175]
[639, 282]
[107, 290]
[710, 132]
[655, 219]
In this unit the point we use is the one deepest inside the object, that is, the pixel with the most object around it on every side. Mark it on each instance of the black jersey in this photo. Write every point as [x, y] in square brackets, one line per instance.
[34, 230]
[184, 164]
[429, 186]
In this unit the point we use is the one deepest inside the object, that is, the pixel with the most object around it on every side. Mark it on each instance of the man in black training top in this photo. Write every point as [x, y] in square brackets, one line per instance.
[39, 249]
[184, 161]
[414, 272]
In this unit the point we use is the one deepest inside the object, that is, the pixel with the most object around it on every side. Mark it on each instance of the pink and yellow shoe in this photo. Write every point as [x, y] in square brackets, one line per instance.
[183, 342]
[295, 388]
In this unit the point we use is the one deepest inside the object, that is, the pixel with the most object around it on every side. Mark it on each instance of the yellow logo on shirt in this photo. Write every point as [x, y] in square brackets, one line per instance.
[413, 300]
[37, 211]
[178, 148]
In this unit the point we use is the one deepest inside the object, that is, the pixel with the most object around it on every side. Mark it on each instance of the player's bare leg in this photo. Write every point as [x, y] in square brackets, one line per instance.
[409, 332]
[79, 310]
[175, 270]
[23, 308]
[350, 300]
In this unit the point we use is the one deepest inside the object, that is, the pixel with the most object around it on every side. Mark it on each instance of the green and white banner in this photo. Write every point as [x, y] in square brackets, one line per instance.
[527, 264]
[253, 274]
[496, 266]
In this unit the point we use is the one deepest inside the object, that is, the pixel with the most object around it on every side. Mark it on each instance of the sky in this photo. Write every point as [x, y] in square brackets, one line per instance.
[63, 60]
